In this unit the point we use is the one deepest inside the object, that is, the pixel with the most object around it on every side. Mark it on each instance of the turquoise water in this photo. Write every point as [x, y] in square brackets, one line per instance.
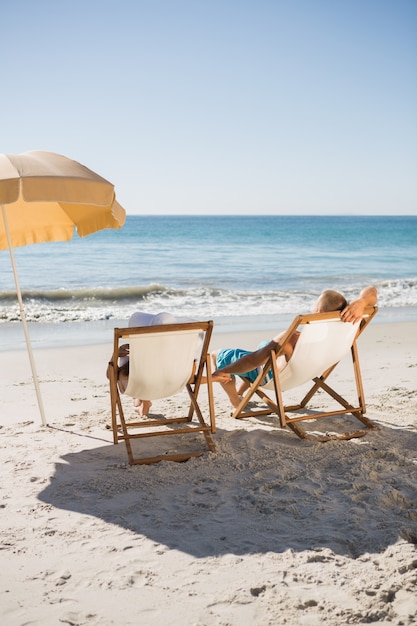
[230, 269]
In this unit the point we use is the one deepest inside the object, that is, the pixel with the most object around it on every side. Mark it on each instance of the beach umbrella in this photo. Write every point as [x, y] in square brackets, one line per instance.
[46, 197]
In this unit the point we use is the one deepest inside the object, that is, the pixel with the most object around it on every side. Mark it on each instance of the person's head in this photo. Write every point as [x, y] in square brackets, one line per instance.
[330, 300]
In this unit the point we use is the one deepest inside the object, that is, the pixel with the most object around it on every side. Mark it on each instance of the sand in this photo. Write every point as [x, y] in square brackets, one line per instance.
[270, 530]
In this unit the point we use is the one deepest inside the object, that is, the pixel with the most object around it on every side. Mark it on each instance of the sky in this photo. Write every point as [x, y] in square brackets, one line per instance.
[220, 106]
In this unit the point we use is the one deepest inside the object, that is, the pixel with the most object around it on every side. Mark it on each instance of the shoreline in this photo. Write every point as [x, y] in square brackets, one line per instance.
[64, 334]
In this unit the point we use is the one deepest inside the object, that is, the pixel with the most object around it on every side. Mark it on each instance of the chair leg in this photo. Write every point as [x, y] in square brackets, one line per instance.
[358, 377]
[205, 427]
[210, 395]
[116, 405]
[255, 389]
[357, 412]
[282, 411]
[127, 436]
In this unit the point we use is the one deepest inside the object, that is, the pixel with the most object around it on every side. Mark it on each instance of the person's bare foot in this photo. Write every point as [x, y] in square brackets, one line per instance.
[142, 406]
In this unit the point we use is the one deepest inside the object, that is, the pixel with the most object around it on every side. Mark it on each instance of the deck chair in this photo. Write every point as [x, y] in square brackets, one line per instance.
[163, 360]
[324, 340]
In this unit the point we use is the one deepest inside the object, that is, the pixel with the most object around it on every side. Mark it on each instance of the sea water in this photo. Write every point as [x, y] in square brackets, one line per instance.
[245, 272]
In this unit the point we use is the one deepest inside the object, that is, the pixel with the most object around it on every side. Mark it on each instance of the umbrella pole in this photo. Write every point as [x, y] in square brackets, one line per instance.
[23, 317]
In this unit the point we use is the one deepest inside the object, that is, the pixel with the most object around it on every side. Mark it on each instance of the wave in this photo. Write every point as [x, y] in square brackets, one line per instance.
[106, 303]
[100, 294]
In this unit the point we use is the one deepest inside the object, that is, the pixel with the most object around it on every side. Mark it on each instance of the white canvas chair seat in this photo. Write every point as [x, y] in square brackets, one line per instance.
[163, 361]
[323, 342]
[320, 345]
[161, 364]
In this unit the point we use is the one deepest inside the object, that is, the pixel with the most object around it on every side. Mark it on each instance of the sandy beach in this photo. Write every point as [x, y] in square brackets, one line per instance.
[270, 530]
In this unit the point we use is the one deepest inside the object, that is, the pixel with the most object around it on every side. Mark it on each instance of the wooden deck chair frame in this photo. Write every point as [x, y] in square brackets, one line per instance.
[277, 405]
[198, 368]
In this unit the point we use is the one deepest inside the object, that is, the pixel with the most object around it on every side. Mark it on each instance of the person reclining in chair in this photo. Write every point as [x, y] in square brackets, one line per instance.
[230, 361]
[140, 319]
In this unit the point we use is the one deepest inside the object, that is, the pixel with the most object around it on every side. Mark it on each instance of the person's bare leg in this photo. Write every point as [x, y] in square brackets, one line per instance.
[142, 406]
[229, 387]
[242, 386]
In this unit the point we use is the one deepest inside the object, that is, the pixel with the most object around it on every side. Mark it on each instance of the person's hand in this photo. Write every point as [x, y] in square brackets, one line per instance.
[354, 311]
[124, 350]
[221, 377]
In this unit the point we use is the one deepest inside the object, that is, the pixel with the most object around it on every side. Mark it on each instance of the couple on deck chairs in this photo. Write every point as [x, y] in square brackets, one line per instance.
[280, 364]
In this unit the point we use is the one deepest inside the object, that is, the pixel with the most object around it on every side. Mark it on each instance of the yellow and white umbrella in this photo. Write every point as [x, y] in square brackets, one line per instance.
[45, 197]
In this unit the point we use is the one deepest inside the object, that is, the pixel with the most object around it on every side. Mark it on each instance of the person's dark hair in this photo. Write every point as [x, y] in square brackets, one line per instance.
[332, 301]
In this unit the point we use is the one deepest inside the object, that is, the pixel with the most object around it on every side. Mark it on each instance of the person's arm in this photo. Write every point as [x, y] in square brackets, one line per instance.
[244, 364]
[123, 351]
[258, 357]
[354, 310]
[110, 364]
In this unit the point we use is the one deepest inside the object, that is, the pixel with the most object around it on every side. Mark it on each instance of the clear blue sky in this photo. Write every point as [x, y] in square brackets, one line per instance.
[220, 106]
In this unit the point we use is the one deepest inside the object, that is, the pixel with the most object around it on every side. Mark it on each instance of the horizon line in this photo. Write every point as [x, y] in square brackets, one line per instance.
[270, 215]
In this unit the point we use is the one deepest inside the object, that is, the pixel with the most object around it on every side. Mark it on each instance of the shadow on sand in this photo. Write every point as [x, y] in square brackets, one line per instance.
[264, 491]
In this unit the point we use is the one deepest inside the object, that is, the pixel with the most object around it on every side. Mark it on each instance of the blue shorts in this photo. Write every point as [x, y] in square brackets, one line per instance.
[228, 356]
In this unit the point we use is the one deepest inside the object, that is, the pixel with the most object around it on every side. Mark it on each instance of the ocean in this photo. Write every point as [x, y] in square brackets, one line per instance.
[245, 272]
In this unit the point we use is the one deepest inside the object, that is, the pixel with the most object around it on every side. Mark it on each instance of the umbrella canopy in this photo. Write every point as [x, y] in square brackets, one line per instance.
[45, 197]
